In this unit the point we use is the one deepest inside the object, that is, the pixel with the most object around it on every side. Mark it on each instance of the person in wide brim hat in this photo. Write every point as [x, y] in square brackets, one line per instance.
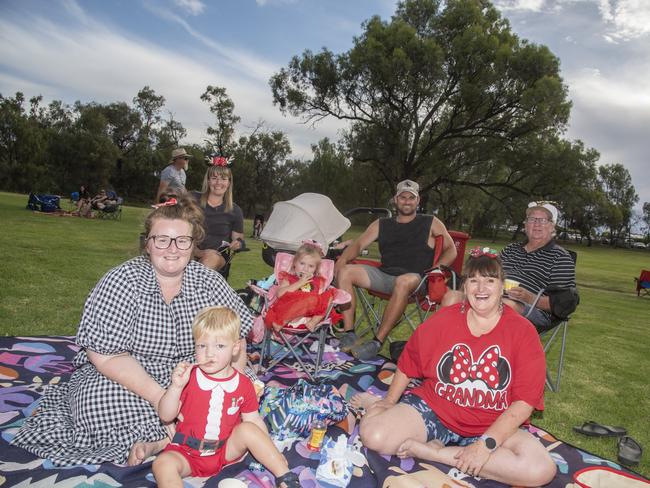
[173, 177]
[179, 154]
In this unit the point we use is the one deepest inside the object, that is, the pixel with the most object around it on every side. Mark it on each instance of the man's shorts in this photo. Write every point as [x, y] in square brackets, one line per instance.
[380, 281]
[202, 466]
[537, 316]
[435, 429]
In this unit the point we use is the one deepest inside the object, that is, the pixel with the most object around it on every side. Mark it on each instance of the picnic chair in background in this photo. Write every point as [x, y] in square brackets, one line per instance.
[564, 302]
[294, 336]
[643, 283]
[426, 297]
[111, 211]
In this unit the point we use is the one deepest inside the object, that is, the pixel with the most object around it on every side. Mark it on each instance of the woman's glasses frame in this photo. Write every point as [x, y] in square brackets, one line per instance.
[183, 243]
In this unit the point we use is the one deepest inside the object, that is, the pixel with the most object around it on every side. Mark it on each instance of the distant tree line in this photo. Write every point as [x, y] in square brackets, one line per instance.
[444, 93]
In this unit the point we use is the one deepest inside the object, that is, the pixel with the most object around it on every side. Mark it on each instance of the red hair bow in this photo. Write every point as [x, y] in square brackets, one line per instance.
[313, 243]
[169, 203]
[477, 252]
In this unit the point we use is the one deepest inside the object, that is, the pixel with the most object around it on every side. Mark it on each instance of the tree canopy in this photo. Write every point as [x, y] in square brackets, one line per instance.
[443, 93]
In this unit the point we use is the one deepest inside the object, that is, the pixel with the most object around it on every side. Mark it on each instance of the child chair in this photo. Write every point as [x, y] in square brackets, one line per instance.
[293, 335]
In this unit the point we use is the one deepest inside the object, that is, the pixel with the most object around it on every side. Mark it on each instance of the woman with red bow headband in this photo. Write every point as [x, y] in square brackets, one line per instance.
[224, 220]
[483, 371]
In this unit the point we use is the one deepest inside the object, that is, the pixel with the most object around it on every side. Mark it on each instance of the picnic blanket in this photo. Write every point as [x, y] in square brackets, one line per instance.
[29, 364]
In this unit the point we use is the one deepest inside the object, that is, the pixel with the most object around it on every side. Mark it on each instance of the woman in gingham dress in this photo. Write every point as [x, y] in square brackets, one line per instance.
[135, 328]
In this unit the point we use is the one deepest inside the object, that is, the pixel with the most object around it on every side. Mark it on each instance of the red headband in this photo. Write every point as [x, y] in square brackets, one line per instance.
[169, 203]
[220, 161]
[477, 252]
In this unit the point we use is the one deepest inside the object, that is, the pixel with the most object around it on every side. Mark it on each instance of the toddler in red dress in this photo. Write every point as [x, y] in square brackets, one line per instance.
[216, 410]
[300, 292]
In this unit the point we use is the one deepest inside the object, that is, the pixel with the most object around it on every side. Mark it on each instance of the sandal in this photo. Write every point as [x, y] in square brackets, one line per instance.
[629, 451]
[290, 480]
[595, 429]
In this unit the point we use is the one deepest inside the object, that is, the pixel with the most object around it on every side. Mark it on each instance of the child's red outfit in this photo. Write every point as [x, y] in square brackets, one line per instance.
[309, 301]
[211, 408]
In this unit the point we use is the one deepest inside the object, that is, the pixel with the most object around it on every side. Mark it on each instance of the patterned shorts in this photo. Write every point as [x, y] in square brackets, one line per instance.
[435, 428]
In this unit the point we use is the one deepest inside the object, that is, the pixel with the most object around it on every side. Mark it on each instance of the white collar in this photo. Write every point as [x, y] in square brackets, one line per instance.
[207, 383]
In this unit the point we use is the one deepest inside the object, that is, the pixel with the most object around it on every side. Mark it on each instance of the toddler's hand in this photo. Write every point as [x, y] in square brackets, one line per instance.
[181, 374]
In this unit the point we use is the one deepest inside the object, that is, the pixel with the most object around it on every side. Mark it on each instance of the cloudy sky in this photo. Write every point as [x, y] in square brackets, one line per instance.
[107, 50]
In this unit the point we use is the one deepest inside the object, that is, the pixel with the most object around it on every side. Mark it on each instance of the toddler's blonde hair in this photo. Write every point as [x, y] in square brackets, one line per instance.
[307, 250]
[222, 321]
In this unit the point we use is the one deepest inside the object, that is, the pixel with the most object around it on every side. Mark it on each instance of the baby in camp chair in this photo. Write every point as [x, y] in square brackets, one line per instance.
[300, 290]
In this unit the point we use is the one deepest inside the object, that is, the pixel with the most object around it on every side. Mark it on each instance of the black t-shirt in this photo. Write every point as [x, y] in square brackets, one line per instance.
[404, 248]
[220, 225]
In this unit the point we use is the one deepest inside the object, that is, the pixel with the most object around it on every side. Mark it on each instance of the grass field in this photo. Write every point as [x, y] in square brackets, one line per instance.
[50, 263]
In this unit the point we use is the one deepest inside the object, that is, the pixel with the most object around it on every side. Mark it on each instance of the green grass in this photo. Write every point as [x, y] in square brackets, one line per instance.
[50, 263]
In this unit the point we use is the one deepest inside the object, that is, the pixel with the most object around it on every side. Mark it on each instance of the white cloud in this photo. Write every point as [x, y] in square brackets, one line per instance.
[629, 19]
[263, 3]
[193, 7]
[91, 62]
[533, 5]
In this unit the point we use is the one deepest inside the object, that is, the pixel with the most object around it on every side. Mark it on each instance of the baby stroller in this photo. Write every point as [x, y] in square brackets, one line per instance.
[308, 216]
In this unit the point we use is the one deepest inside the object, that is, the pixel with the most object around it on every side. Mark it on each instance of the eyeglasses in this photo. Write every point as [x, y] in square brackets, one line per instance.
[183, 243]
[537, 220]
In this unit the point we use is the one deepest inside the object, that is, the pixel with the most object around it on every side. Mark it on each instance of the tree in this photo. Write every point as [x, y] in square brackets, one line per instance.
[223, 109]
[646, 219]
[621, 197]
[258, 180]
[437, 94]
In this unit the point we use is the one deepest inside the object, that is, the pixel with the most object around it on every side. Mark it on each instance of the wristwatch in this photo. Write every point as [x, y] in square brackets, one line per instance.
[490, 443]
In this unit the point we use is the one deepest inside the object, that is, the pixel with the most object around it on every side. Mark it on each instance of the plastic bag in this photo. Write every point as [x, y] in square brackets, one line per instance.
[291, 411]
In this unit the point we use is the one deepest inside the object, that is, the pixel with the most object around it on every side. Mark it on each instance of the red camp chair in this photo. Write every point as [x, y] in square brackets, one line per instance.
[426, 297]
[643, 283]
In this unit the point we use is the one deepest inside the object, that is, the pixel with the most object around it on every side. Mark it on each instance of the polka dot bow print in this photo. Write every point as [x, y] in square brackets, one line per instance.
[485, 369]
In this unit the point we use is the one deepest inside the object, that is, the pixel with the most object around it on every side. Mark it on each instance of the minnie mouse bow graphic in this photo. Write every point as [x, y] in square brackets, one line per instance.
[485, 369]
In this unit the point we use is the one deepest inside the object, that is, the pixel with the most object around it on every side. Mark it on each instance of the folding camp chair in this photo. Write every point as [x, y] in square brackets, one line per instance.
[111, 211]
[563, 304]
[294, 335]
[643, 283]
[426, 297]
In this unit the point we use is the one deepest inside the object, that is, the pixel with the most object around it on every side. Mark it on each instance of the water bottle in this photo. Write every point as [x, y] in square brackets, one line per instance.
[317, 435]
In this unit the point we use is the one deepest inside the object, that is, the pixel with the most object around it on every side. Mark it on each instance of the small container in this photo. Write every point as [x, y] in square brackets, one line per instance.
[317, 435]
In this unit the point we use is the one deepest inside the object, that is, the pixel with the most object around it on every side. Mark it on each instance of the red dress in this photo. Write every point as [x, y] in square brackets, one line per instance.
[309, 301]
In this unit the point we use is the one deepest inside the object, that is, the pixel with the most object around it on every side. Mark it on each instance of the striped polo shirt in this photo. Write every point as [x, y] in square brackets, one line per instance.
[546, 267]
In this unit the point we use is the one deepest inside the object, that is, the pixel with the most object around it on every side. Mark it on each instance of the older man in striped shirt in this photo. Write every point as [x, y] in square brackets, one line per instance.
[538, 263]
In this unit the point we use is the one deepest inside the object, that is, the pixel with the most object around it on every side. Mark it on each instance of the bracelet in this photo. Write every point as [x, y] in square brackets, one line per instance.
[242, 243]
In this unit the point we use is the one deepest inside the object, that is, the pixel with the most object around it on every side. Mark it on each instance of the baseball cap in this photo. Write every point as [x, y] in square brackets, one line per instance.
[409, 186]
[548, 206]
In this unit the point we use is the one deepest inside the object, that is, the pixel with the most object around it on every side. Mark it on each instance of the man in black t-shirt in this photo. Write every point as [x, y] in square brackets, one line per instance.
[406, 245]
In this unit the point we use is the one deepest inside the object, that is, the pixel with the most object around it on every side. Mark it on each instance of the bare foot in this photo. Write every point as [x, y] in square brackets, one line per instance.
[140, 451]
[364, 400]
[413, 448]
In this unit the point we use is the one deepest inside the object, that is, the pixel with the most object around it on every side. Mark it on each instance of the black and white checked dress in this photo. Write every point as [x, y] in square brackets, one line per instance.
[91, 419]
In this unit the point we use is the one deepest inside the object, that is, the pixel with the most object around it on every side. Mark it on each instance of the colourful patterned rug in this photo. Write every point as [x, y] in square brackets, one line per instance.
[29, 364]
